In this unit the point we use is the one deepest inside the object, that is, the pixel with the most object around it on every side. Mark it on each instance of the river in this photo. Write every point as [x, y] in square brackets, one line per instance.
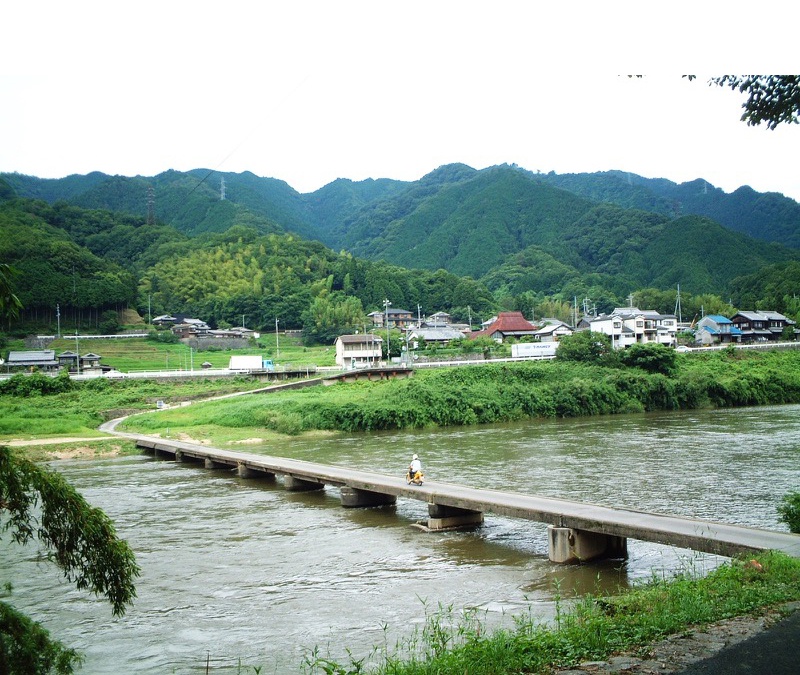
[240, 573]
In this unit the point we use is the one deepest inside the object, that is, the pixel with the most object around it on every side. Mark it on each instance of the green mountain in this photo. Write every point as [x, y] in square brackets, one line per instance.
[514, 231]
[88, 261]
[193, 202]
[766, 216]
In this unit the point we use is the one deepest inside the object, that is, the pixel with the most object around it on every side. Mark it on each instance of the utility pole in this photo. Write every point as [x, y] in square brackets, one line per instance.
[58, 320]
[386, 305]
[277, 347]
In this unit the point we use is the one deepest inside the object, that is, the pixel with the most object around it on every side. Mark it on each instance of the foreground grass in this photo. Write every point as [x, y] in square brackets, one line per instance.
[594, 628]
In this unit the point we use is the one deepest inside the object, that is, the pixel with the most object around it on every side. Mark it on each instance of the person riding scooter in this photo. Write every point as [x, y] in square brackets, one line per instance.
[414, 471]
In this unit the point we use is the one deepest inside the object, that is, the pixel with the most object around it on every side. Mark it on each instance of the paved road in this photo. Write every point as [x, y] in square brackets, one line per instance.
[775, 651]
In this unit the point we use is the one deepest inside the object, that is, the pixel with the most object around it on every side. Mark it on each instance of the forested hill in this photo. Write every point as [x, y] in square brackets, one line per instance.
[516, 232]
[767, 216]
[349, 214]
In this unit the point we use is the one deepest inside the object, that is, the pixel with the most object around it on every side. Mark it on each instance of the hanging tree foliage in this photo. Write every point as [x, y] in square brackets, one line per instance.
[37, 503]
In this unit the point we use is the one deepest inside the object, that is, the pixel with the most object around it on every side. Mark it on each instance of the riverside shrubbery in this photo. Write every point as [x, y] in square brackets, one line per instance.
[488, 393]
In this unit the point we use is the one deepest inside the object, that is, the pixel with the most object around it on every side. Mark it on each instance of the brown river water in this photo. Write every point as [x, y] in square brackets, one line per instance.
[238, 573]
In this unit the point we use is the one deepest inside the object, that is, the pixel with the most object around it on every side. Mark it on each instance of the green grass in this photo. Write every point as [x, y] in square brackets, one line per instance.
[132, 354]
[79, 411]
[593, 628]
[496, 393]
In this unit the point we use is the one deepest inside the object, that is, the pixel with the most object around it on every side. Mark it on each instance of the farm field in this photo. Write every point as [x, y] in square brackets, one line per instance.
[137, 354]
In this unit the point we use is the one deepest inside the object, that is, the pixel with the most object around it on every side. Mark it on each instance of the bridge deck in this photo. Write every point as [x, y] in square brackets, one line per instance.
[700, 535]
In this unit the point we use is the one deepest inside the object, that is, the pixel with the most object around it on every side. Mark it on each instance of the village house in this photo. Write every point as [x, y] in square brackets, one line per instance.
[353, 351]
[507, 325]
[630, 325]
[398, 318]
[762, 326]
[438, 319]
[190, 328]
[716, 329]
[552, 330]
[165, 320]
[42, 360]
[441, 335]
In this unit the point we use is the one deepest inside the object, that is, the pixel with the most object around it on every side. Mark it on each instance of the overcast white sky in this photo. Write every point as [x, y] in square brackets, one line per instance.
[310, 91]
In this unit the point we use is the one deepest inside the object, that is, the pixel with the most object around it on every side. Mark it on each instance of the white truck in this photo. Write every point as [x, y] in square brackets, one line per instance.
[534, 349]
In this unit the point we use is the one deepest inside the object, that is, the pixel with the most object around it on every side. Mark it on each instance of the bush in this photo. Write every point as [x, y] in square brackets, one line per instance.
[653, 358]
[163, 336]
[789, 511]
[586, 347]
[37, 384]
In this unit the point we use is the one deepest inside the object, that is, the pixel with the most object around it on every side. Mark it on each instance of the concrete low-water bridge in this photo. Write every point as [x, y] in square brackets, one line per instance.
[577, 531]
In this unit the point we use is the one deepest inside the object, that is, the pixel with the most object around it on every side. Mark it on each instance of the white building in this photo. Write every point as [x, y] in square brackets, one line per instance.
[353, 351]
[630, 325]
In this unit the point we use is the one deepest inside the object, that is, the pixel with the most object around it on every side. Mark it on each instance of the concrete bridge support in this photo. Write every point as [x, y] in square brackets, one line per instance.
[294, 484]
[211, 464]
[181, 456]
[442, 517]
[570, 546]
[244, 471]
[354, 497]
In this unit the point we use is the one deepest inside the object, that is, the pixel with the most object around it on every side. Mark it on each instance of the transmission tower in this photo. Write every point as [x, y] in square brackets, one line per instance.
[222, 189]
[151, 201]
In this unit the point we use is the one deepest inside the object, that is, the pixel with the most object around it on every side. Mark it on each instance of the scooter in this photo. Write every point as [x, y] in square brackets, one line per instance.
[415, 478]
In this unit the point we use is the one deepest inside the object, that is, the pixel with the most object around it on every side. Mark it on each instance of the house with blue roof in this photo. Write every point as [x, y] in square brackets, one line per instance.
[716, 329]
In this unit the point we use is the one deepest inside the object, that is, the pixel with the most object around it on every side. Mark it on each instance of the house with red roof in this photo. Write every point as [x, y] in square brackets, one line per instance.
[507, 325]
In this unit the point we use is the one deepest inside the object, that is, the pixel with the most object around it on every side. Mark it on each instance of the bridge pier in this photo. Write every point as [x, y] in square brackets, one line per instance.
[567, 545]
[211, 464]
[355, 497]
[244, 471]
[441, 517]
[294, 484]
[180, 456]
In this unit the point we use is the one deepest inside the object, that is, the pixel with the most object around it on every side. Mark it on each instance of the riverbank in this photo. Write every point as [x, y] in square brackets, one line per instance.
[696, 646]
[661, 627]
[492, 393]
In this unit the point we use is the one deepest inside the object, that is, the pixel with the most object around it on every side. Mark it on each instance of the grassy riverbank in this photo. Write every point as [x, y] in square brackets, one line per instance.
[593, 629]
[493, 393]
[48, 409]
[468, 395]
